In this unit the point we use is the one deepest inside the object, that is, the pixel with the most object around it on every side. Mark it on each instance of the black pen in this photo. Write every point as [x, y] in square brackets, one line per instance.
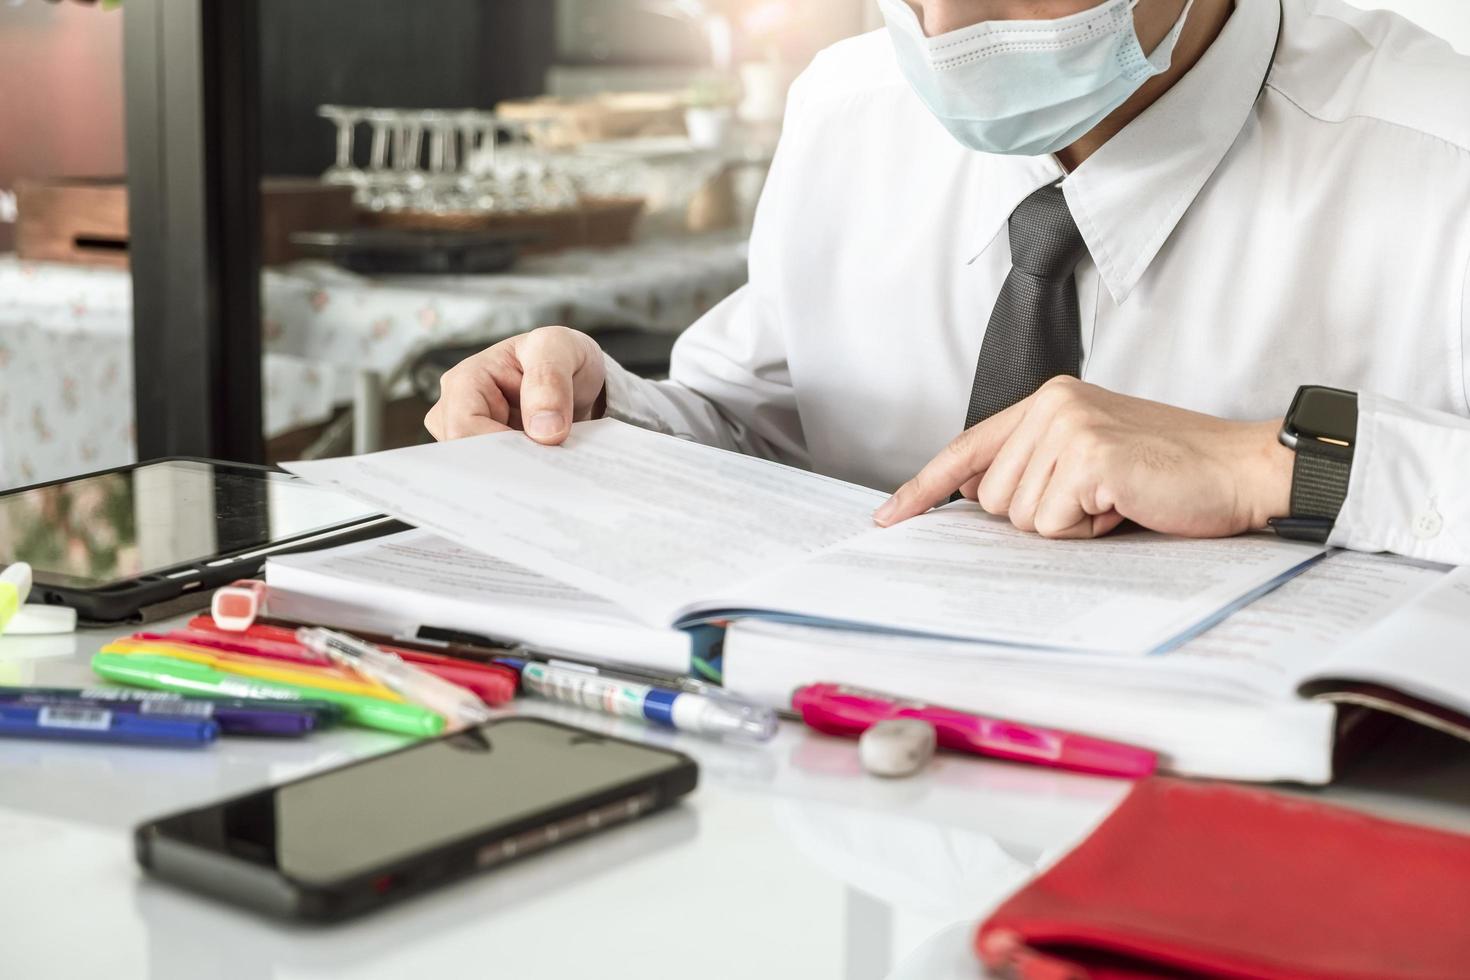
[512, 653]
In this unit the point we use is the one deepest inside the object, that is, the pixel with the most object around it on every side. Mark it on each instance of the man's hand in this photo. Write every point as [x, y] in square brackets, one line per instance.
[540, 382]
[1075, 461]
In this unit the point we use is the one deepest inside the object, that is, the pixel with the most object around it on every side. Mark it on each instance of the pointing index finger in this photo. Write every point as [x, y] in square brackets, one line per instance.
[966, 456]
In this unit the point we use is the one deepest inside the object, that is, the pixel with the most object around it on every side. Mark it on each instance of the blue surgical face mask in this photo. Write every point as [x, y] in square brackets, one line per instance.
[1027, 87]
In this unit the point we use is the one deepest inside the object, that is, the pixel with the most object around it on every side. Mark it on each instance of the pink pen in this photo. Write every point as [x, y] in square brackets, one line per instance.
[841, 710]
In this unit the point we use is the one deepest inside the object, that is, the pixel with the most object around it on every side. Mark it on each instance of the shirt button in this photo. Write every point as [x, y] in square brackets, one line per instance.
[1428, 524]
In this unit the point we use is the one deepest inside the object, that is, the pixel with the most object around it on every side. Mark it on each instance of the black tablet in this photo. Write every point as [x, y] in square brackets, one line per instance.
[154, 538]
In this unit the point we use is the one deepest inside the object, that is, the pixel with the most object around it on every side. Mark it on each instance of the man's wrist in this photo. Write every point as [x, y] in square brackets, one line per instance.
[1271, 464]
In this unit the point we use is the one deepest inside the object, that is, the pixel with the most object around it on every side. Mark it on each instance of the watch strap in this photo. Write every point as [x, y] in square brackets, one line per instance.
[1319, 482]
[1317, 529]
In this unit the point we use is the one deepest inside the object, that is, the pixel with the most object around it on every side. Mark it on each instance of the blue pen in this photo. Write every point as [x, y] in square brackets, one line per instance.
[90, 724]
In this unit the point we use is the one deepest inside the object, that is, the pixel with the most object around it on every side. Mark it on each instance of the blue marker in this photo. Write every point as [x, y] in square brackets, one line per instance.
[263, 718]
[77, 723]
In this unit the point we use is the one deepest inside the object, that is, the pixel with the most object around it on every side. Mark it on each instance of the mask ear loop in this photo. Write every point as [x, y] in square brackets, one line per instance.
[1133, 4]
[1171, 38]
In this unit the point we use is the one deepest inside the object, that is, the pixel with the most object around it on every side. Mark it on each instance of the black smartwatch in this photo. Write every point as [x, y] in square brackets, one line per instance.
[1321, 427]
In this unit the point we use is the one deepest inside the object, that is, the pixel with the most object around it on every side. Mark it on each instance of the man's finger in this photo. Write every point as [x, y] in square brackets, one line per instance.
[472, 404]
[1059, 513]
[966, 456]
[479, 425]
[1069, 507]
[1091, 526]
[1025, 501]
[547, 387]
[1002, 478]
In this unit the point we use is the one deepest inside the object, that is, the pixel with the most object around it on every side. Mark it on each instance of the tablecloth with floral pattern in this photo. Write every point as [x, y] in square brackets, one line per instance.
[66, 373]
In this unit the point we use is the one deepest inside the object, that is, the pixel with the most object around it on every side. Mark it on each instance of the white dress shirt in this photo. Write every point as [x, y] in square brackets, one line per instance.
[1243, 241]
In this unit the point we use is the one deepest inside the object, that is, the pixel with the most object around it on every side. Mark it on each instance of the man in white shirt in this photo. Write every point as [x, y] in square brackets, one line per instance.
[1282, 200]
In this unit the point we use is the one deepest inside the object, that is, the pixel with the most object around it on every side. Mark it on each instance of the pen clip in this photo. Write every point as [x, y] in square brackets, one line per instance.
[587, 669]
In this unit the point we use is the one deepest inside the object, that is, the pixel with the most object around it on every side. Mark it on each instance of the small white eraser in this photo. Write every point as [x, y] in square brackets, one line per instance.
[897, 747]
[38, 620]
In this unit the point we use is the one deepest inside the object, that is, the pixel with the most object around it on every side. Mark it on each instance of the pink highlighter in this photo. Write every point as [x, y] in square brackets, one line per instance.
[837, 709]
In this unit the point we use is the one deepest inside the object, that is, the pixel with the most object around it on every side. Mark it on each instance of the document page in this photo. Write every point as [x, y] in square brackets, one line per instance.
[1279, 639]
[420, 561]
[1423, 649]
[959, 572]
[399, 583]
[646, 520]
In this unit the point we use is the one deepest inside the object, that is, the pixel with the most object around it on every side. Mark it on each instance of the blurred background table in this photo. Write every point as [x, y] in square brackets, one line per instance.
[332, 337]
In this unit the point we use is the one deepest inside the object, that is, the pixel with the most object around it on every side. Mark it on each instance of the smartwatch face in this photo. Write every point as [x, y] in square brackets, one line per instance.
[1325, 413]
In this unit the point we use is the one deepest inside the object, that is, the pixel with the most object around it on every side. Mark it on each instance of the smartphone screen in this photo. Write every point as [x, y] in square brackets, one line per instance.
[351, 821]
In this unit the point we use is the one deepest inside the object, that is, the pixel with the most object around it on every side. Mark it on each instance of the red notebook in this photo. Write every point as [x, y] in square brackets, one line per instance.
[1204, 880]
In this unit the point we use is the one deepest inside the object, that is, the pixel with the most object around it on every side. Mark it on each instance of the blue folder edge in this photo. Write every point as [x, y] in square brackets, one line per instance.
[707, 629]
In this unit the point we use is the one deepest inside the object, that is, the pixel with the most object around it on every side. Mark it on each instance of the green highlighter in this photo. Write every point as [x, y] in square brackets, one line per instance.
[186, 677]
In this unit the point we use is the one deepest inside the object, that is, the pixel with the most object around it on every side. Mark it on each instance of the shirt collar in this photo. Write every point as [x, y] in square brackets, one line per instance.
[1129, 195]
[1008, 182]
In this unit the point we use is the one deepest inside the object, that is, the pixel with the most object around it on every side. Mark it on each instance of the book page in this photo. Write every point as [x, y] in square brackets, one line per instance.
[1422, 649]
[960, 572]
[1200, 730]
[646, 520]
[420, 561]
[396, 584]
[1279, 639]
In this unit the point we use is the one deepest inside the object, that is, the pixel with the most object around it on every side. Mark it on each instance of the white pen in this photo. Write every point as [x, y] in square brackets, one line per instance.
[459, 706]
[716, 716]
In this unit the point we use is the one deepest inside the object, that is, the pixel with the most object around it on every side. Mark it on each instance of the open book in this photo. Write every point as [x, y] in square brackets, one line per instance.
[1254, 698]
[397, 584]
[676, 534]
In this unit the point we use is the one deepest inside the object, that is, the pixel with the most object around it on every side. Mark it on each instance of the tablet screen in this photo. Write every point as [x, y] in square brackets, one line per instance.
[112, 527]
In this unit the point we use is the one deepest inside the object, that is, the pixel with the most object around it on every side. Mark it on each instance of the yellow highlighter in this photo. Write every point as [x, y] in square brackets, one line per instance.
[15, 587]
[321, 678]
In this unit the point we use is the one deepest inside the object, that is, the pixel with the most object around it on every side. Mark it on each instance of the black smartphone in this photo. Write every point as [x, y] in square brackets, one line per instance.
[340, 843]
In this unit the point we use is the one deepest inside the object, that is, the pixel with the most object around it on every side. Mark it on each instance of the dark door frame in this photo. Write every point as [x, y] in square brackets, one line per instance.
[191, 98]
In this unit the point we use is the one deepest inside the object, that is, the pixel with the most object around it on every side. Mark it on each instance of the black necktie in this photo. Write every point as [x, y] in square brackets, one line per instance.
[1034, 333]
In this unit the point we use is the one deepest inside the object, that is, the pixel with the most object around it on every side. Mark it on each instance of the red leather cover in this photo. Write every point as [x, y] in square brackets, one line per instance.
[1202, 880]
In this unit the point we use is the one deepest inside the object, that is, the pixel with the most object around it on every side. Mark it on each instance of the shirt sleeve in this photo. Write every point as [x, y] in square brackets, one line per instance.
[729, 385]
[729, 380]
[1409, 491]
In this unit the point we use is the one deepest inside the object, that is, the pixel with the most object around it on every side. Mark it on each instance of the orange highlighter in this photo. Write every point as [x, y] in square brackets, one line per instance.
[492, 683]
[325, 677]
